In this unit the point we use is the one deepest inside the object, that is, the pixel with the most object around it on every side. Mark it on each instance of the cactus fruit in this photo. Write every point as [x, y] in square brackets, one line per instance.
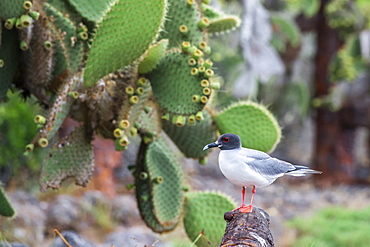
[256, 126]
[6, 208]
[118, 41]
[204, 215]
[71, 157]
[160, 203]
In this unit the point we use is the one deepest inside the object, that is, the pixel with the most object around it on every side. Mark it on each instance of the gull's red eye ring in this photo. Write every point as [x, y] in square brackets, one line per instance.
[226, 139]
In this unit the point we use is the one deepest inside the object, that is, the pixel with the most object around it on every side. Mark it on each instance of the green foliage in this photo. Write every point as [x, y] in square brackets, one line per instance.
[345, 16]
[285, 31]
[255, 125]
[308, 7]
[348, 62]
[204, 215]
[16, 127]
[334, 227]
[6, 208]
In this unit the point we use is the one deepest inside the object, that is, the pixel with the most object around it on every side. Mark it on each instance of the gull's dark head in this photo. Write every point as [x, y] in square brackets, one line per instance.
[225, 142]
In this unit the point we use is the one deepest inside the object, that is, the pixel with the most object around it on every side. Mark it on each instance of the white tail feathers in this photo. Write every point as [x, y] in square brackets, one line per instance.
[302, 171]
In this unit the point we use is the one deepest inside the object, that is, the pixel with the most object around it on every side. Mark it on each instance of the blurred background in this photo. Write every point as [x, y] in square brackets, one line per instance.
[308, 61]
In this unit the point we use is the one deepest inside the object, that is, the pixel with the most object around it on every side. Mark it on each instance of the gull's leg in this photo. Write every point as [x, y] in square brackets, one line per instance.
[248, 209]
[243, 195]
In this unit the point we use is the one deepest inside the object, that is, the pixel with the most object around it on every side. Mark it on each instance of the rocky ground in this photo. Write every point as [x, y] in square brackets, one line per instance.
[101, 221]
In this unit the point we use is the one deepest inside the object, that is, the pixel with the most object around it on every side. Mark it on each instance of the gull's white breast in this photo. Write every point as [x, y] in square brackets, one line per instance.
[234, 165]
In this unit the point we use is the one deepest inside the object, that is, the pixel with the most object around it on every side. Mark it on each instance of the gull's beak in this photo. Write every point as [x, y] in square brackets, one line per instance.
[211, 145]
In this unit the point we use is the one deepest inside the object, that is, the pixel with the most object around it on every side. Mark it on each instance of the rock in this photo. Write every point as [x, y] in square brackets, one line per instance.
[14, 245]
[65, 212]
[134, 236]
[73, 239]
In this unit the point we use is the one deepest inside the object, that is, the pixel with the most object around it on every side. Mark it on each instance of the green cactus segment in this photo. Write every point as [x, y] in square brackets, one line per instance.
[209, 12]
[9, 57]
[60, 109]
[71, 157]
[174, 85]
[69, 48]
[167, 196]
[204, 214]
[182, 14]
[222, 24]
[120, 41]
[155, 54]
[160, 204]
[92, 10]
[6, 208]
[10, 9]
[256, 126]
[201, 133]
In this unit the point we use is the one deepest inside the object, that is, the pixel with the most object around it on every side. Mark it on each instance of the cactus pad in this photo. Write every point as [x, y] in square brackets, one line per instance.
[204, 214]
[174, 86]
[6, 208]
[180, 13]
[92, 10]
[201, 134]
[10, 9]
[120, 41]
[71, 157]
[155, 54]
[223, 24]
[160, 194]
[256, 126]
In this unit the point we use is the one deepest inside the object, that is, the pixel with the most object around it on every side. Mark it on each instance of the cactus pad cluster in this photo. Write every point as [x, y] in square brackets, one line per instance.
[123, 68]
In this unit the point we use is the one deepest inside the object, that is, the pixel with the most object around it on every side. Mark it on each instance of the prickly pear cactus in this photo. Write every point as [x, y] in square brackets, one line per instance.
[204, 217]
[256, 126]
[159, 182]
[126, 68]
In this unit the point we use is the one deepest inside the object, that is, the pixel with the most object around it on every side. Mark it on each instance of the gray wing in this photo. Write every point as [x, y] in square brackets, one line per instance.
[255, 154]
[271, 167]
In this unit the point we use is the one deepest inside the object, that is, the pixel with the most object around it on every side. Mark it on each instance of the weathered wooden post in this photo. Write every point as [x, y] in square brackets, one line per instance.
[247, 229]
